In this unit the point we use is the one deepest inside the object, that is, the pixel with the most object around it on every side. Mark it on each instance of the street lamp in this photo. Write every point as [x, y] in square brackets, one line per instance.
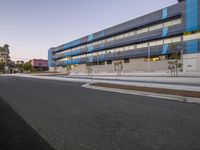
[98, 61]
[148, 57]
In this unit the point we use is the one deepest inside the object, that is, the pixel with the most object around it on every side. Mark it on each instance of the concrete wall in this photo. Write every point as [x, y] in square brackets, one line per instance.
[134, 65]
[191, 62]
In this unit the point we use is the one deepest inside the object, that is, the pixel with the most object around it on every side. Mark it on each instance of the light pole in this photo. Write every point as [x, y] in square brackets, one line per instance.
[148, 57]
[98, 62]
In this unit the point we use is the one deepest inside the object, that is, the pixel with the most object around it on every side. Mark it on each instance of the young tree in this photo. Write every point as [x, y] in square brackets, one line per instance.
[175, 56]
[2, 65]
[118, 67]
[27, 66]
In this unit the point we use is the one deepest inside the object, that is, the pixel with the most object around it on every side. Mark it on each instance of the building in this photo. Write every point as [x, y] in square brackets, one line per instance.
[145, 44]
[39, 64]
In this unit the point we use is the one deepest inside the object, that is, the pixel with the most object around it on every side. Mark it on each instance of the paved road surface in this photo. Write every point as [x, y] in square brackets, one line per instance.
[16, 134]
[70, 117]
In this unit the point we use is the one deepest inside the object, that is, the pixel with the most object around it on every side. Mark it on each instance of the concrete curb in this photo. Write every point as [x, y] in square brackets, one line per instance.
[148, 94]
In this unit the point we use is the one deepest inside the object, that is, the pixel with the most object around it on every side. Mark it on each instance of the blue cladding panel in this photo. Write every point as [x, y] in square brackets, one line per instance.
[191, 15]
[90, 59]
[164, 13]
[90, 37]
[102, 33]
[68, 45]
[165, 49]
[76, 42]
[165, 32]
[76, 61]
[67, 62]
[102, 45]
[76, 52]
[192, 46]
[67, 54]
[90, 48]
[49, 58]
[101, 58]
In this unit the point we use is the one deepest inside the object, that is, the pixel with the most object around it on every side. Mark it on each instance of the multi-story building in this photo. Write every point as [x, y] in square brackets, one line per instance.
[39, 64]
[144, 44]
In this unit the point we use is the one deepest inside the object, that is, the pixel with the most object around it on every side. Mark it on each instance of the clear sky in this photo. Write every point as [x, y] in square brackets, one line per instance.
[31, 27]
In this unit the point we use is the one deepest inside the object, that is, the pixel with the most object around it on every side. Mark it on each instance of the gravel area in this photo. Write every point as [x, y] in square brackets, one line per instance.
[150, 89]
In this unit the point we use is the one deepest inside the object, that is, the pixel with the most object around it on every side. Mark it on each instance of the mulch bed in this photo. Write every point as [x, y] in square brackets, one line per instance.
[150, 89]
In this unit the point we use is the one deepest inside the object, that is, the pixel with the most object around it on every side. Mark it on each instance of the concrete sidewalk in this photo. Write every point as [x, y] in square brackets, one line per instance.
[142, 74]
[188, 84]
[194, 81]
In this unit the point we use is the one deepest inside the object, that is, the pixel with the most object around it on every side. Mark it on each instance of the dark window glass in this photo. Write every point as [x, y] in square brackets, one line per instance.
[126, 60]
[109, 62]
[102, 63]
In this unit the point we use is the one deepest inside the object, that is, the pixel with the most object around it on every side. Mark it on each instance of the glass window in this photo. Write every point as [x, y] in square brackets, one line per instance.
[132, 47]
[167, 24]
[109, 40]
[191, 37]
[167, 41]
[160, 42]
[126, 48]
[177, 21]
[142, 30]
[109, 62]
[131, 33]
[126, 60]
[159, 26]
[152, 43]
[126, 35]
[139, 45]
[176, 39]
[139, 31]
[102, 41]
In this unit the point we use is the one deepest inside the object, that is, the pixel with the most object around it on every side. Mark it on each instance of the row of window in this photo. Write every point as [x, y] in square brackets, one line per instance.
[126, 35]
[137, 46]
[126, 48]
[142, 45]
[109, 62]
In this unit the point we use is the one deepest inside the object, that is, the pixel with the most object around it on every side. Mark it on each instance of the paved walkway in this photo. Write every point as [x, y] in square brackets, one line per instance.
[190, 81]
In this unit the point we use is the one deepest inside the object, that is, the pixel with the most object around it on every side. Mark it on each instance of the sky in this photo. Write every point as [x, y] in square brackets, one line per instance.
[31, 27]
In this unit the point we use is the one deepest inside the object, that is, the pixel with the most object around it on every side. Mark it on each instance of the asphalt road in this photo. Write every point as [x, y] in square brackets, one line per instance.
[16, 134]
[70, 117]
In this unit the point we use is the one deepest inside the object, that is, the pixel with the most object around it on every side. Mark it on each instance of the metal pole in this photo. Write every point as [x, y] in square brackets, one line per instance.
[148, 58]
[98, 62]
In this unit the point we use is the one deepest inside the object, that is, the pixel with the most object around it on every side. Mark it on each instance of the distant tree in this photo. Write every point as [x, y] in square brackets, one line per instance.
[27, 66]
[1, 49]
[19, 66]
[2, 64]
[6, 47]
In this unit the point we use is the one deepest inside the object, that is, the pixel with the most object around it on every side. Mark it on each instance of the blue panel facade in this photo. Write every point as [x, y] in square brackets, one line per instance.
[90, 48]
[76, 52]
[164, 13]
[192, 46]
[191, 15]
[165, 49]
[165, 31]
[90, 37]
[68, 45]
[49, 58]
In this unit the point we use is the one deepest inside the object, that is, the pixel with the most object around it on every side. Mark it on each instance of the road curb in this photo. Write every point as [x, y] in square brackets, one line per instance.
[148, 94]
